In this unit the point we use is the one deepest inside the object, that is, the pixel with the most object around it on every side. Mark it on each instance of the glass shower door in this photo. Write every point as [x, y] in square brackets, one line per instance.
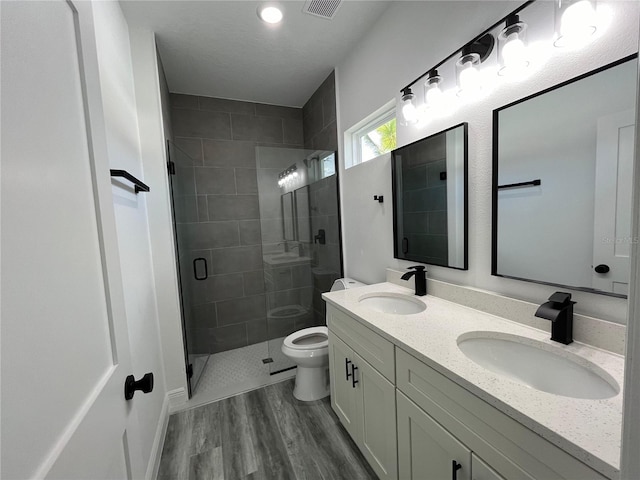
[184, 206]
[300, 225]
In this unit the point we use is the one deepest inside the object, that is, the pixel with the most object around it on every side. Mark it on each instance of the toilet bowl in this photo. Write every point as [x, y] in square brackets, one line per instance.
[309, 350]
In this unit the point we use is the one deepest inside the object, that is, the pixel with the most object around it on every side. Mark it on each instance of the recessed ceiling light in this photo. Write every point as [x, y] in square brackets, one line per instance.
[270, 14]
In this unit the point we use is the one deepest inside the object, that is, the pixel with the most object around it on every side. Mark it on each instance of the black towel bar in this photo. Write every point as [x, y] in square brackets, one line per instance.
[139, 186]
[521, 184]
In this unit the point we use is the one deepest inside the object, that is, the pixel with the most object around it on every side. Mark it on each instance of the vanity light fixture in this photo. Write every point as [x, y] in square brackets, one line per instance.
[513, 51]
[409, 111]
[270, 14]
[576, 22]
[287, 176]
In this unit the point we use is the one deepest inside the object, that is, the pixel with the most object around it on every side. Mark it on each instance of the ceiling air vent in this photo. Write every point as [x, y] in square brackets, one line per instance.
[321, 8]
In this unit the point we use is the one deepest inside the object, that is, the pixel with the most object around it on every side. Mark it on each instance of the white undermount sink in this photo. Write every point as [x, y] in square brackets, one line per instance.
[538, 365]
[395, 303]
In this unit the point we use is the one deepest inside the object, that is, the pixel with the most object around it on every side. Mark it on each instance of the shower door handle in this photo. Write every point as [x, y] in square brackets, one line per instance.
[203, 262]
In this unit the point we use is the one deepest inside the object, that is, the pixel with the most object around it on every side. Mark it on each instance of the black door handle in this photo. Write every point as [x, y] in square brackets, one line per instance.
[353, 375]
[145, 384]
[195, 268]
[346, 368]
[602, 268]
[405, 245]
[455, 466]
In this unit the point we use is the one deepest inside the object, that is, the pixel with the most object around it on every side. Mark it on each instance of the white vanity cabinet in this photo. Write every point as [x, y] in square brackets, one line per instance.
[510, 450]
[426, 451]
[413, 422]
[361, 396]
[482, 471]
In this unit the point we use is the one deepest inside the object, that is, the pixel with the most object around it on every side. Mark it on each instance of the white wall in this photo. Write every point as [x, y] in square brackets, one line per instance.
[412, 37]
[153, 150]
[123, 144]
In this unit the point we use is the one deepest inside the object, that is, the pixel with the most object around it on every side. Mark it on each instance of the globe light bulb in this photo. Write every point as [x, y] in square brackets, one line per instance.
[432, 93]
[409, 111]
[514, 51]
[469, 78]
[578, 23]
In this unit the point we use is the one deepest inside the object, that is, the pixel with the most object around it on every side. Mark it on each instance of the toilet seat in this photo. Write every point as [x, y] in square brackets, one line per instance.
[296, 341]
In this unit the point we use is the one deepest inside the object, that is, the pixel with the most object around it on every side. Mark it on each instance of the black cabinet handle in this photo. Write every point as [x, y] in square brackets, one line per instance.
[353, 376]
[602, 268]
[455, 466]
[145, 384]
[195, 269]
[346, 368]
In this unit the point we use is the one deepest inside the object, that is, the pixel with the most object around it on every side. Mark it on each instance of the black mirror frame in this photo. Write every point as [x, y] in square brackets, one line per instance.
[494, 181]
[465, 266]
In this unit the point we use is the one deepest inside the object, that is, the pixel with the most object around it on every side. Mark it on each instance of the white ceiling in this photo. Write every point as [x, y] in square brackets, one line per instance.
[222, 49]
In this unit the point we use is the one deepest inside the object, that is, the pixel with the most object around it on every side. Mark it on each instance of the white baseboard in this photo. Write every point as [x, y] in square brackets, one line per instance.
[177, 399]
[158, 441]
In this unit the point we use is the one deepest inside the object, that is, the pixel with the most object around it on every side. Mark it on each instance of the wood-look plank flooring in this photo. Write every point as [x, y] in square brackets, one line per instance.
[265, 434]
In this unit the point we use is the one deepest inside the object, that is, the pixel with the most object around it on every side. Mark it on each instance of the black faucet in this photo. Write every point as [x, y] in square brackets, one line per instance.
[420, 280]
[559, 309]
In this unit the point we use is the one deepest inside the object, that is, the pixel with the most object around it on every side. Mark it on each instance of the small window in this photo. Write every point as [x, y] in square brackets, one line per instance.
[328, 165]
[376, 138]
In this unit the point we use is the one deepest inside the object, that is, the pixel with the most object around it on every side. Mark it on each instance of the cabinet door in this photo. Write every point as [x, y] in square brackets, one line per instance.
[343, 393]
[377, 432]
[482, 471]
[426, 451]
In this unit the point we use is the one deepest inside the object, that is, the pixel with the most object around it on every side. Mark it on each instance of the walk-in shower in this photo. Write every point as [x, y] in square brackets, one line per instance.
[253, 258]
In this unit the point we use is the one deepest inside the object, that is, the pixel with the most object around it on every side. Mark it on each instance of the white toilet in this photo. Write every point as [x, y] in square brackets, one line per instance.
[309, 349]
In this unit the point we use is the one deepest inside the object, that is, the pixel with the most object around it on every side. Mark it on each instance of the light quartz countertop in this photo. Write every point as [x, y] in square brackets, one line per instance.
[590, 430]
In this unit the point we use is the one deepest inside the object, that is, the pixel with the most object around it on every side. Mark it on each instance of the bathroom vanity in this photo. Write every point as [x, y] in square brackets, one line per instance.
[420, 408]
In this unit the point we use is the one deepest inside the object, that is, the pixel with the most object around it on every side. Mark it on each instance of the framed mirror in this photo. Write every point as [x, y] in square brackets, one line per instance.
[287, 216]
[430, 199]
[562, 181]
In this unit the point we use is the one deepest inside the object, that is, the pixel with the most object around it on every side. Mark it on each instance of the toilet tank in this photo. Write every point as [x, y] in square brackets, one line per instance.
[345, 283]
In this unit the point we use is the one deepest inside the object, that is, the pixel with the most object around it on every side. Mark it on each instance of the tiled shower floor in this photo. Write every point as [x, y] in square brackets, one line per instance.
[236, 371]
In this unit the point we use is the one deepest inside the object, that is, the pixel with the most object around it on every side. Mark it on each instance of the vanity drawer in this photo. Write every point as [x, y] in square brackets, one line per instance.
[508, 446]
[375, 349]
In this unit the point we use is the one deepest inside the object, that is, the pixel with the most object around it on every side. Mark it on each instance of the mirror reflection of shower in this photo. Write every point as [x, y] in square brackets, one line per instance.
[300, 239]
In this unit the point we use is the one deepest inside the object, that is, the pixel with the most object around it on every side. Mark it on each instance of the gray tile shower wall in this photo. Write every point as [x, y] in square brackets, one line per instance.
[321, 132]
[319, 117]
[228, 309]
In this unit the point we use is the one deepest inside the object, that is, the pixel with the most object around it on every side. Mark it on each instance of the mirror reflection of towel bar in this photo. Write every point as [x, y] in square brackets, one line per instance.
[532, 183]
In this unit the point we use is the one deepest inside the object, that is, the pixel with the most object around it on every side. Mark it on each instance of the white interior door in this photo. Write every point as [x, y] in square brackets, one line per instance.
[612, 219]
[65, 351]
